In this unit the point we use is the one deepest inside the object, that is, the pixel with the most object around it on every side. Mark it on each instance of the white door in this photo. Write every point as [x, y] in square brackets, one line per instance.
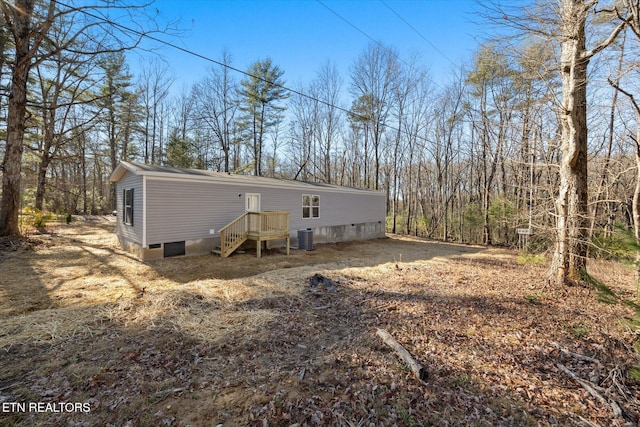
[252, 204]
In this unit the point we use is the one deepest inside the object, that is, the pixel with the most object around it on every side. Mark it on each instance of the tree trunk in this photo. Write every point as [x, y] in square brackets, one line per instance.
[83, 168]
[16, 121]
[486, 229]
[570, 256]
[636, 202]
[43, 166]
[571, 205]
[48, 119]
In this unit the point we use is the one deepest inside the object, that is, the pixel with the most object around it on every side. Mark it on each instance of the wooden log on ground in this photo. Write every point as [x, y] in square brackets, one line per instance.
[419, 371]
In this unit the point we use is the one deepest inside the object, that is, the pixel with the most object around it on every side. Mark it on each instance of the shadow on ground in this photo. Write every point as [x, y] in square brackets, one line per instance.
[303, 355]
[350, 254]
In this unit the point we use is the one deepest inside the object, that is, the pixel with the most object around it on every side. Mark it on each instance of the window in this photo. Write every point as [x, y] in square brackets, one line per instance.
[127, 206]
[310, 206]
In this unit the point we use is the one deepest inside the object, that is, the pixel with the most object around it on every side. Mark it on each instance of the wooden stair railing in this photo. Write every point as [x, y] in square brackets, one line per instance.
[233, 235]
[258, 226]
[268, 223]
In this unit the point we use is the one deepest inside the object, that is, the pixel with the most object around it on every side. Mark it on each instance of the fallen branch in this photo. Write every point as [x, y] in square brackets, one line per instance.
[419, 371]
[170, 391]
[587, 422]
[592, 389]
[623, 390]
[576, 355]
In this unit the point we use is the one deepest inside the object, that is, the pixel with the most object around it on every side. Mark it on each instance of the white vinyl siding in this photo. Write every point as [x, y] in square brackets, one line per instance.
[338, 208]
[191, 205]
[187, 210]
[184, 210]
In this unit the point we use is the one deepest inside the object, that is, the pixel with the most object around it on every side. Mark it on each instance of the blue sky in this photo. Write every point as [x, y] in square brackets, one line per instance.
[302, 35]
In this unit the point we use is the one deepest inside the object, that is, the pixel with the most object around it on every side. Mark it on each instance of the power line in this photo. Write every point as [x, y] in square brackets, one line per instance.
[352, 25]
[418, 33]
[230, 67]
[358, 29]
[201, 56]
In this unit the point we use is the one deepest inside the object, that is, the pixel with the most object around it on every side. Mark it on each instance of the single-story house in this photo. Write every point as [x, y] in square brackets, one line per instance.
[164, 211]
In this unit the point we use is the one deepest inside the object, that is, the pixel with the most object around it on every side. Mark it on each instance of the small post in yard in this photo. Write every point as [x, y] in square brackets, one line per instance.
[523, 237]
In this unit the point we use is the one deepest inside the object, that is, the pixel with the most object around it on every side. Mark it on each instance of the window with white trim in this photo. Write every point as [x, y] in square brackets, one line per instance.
[127, 206]
[310, 206]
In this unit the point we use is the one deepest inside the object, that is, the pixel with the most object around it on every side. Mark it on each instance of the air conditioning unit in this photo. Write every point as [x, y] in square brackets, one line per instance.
[305, 239]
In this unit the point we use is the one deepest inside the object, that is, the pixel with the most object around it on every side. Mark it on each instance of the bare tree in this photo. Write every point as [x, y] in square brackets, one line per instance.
[419, 120]
[443, 147]
[4, 56]
[372, 80]
[64, 83]
[328, 87]
[216, 105]
[19, 21]
[604, 179]
[632, 8]
[566, 23]
[316, 130]
[154, 86]
[409, 97]
[181, 114]
[492, 87]
[570, 256]
[29, 23]
[306, 112]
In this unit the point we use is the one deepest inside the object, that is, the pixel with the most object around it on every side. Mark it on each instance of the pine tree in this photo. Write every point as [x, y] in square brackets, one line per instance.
[115, 93]
[261, 93]
[179, 151]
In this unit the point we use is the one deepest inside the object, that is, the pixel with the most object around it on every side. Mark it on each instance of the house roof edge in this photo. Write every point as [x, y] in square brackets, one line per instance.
[202, 175]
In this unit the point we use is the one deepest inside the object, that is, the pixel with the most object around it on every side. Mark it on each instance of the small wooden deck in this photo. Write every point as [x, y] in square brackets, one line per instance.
[256, 226]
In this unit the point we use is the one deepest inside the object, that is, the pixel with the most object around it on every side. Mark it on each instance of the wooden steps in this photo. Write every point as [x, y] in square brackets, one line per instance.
[256, 226]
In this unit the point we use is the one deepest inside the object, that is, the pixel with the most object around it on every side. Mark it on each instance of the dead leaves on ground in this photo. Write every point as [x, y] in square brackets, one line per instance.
[273, 348]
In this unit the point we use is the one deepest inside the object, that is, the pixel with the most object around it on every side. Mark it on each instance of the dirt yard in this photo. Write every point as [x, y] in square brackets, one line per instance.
[90, 336]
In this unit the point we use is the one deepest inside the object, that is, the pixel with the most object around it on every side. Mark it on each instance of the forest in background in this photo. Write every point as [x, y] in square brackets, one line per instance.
[469, 159]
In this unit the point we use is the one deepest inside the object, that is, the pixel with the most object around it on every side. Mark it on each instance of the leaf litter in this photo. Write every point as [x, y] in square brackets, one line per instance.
[246, 341]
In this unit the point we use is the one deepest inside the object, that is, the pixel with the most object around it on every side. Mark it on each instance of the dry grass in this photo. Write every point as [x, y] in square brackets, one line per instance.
[244, 341]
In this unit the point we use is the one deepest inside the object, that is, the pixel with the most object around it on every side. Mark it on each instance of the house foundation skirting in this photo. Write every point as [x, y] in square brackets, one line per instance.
[347, 232]
[324, 234]
[158, 251]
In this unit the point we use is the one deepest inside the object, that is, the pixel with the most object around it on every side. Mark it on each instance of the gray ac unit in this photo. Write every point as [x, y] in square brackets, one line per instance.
[305, 239]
